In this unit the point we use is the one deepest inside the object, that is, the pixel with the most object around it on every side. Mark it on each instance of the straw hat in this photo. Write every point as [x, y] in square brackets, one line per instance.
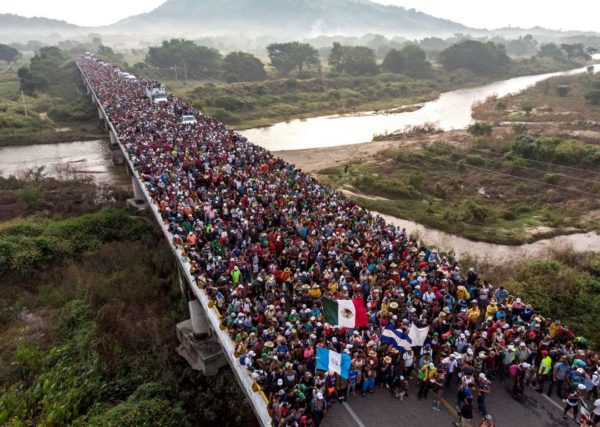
[387, 359]
[269, 344]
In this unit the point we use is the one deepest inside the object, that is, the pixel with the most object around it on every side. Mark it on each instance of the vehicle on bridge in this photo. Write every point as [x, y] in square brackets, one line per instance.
[188, 119]
[156, 95]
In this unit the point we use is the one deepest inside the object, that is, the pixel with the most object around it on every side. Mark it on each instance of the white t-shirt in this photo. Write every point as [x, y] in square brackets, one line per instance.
[596, 410]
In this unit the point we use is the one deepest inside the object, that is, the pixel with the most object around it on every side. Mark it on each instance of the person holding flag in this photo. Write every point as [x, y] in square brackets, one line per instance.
[345, 313]
[396, 337]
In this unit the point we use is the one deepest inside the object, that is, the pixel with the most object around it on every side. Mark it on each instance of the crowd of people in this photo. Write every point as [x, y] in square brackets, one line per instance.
[267, 242]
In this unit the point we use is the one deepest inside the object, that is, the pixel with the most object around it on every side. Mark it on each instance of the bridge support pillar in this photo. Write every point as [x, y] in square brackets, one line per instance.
[113, 139]
[139, 200]
[200, 325]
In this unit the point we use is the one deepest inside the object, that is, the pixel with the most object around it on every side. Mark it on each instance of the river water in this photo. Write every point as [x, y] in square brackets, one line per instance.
[579, 242]
[452, 110]
[91, 158]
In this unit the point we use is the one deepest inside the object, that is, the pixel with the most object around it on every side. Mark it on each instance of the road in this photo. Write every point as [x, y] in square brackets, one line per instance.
[381, 409]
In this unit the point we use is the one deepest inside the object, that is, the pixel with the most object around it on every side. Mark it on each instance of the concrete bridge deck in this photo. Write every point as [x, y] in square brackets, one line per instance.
[205, 316]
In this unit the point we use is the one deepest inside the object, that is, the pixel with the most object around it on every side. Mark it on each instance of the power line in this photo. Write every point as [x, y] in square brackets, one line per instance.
[539, 161]
[437, 148]
[519, 177]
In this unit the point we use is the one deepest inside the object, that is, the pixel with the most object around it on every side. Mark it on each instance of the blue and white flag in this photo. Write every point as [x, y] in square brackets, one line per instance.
[329, 360]
[397, 338]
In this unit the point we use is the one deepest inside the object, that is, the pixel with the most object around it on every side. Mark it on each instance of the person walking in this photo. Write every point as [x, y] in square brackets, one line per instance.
[465, 414]
[559, 372]
[319, 407]
[426, 374]
[484, 387]
[572, 401]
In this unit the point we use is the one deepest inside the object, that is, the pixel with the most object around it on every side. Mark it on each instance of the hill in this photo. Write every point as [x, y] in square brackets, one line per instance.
[10, 22]
[287, 18]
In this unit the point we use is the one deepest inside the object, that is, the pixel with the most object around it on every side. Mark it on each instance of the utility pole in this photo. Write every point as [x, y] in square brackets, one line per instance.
[175, 67]
[185, 71]
[24, 104]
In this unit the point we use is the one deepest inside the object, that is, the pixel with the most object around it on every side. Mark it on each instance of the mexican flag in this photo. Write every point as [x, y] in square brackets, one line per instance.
[345, 313]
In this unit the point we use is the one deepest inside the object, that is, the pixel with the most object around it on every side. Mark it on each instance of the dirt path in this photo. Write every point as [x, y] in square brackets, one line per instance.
[314, 159]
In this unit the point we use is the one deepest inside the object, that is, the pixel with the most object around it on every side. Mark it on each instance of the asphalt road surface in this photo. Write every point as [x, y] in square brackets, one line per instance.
[381, 409]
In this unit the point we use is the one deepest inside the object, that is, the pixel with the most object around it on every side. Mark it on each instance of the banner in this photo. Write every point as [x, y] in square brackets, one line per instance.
[418, 335]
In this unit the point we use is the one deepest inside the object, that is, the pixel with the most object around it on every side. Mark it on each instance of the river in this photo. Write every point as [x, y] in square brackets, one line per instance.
[452, 110]
[579, 242]
[91, 158]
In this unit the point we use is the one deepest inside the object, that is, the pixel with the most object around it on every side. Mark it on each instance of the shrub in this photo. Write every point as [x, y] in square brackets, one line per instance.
[562, 90]
[593, 96]
[552, 178]
[480, 129]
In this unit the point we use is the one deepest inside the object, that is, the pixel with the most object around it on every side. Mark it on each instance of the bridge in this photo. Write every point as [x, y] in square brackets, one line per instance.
[205, 344]
[364, 247]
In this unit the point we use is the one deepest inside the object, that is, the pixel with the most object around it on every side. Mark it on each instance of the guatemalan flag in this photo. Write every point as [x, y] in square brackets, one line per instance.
[397, 338]
[345, 313]
[329, 360]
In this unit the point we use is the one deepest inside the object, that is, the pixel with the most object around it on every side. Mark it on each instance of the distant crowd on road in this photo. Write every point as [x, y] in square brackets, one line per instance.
[267, 242]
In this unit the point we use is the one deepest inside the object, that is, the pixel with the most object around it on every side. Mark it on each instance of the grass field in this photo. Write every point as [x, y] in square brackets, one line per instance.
[62, 115]
[472, 191]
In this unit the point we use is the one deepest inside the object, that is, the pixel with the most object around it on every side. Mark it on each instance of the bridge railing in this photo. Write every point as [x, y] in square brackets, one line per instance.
[254, 393]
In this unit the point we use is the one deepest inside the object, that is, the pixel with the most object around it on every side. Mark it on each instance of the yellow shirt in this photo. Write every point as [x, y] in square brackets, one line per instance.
[473, 313]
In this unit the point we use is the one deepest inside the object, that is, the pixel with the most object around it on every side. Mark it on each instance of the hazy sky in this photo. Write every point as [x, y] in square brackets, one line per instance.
[572, 14]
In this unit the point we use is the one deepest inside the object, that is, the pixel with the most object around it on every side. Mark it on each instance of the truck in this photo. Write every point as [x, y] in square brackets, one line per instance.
[156, 95]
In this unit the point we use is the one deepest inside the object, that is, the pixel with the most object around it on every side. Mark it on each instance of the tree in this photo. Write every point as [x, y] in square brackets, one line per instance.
[107, 54]
[355, 60]
[242, 66]
[336, 57]
[286, 57]
[416, 62]
[394, 61]
[45, 68]
[551, 50]
[185, 53]
[480, 58]
[8, 53]
[522, 46]
[575, 50]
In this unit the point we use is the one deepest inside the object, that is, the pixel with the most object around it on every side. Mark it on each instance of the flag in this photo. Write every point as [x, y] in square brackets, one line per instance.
[418, 335]
[345, 313]
[397, 338]
[329, 360]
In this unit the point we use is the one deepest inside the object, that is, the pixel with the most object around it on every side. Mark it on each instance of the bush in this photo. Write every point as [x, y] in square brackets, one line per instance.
[552, 178]
[562, 90]
[32, 245]
[593, 96]
[480, 129]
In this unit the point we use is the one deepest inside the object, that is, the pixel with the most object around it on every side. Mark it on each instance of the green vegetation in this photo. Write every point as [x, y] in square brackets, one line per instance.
[286, 57]
[241, 66]
[88, 311]
[263, 103]
[8, 54]
[185, 53]
[480, 129]
[353, 60]
[564, 100]
[31, 245]
[482, 194]
[564, 286]
[480, 58]
[568, 152]
[57, 108]
[411, 61]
